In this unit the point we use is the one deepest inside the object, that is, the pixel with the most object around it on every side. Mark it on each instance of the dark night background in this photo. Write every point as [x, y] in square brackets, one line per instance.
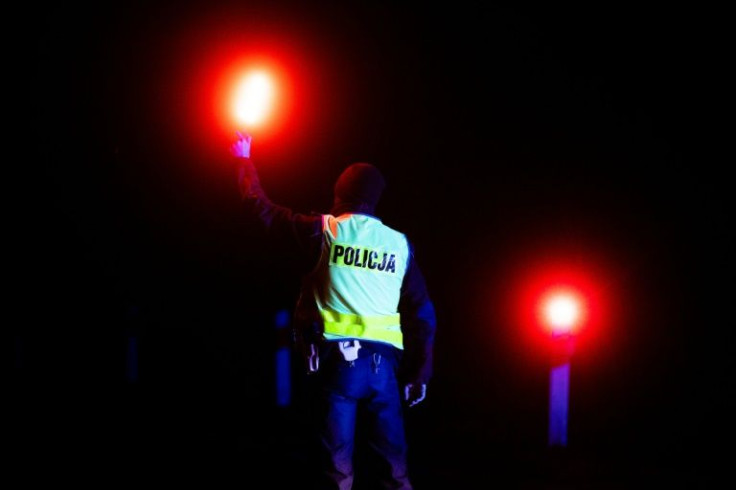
[510, 138]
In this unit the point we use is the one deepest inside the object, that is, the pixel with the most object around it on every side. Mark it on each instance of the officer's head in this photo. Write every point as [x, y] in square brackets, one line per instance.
[358, 189]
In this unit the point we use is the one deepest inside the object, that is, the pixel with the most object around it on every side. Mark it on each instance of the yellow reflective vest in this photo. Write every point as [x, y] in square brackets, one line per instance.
[357, 281]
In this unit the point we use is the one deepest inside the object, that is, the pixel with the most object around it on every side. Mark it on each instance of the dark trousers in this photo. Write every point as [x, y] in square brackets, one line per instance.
[364, 391]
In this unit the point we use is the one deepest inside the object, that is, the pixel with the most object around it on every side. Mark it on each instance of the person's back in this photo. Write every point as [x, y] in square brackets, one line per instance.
[357, 282]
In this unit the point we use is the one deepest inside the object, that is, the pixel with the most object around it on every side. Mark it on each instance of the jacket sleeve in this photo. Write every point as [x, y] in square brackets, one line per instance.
[298, 231]
[418, 324]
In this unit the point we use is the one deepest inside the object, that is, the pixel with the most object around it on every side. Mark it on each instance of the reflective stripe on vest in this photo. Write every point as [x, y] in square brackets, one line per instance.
[380, 328]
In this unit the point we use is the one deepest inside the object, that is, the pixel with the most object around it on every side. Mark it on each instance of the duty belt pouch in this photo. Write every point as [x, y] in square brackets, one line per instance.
[349, 349]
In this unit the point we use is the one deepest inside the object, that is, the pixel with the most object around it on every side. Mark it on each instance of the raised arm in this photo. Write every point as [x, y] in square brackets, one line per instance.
[297, 230]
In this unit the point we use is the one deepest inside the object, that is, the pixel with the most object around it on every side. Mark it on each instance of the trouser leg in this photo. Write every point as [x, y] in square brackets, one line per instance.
[337, 441]
[386, 432]
[343, 384]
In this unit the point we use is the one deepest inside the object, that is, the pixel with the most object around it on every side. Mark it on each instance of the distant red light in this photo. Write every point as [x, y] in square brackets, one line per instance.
[549, 298]
[562, 310]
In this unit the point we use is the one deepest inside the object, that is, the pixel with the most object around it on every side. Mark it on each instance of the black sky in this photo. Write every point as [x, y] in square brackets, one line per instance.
[509, 136]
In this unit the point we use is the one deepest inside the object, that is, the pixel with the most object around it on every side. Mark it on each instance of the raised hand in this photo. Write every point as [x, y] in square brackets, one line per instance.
[241, 147]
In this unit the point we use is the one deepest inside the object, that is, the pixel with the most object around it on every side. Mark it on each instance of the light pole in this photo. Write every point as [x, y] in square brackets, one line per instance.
[561, 312]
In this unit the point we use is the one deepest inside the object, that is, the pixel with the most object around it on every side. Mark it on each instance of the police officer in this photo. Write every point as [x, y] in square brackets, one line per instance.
[364, 319]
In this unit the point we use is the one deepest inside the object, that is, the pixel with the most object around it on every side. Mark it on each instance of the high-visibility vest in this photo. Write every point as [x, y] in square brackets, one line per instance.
[357, 282]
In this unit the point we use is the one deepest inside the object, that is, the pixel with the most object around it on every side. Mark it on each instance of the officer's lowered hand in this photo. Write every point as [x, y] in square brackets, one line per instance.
[414, 393]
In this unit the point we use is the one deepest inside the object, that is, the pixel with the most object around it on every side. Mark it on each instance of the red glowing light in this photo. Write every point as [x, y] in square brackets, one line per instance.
[562, 311]
[253, 98]
[551, 297]
[254, 94]
[519, 299]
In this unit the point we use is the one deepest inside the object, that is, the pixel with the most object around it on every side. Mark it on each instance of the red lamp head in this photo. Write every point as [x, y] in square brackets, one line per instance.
[253, 98]
[562, 311]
